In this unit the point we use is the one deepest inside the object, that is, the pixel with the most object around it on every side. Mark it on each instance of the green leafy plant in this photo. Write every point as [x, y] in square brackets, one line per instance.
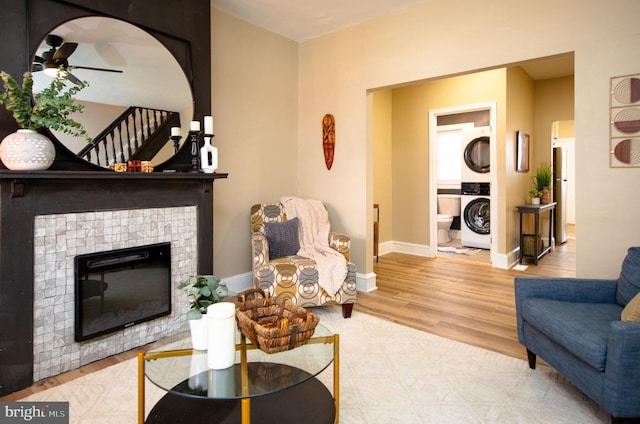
[203, 291]
[51, 107]
[534, 192]
[542, 178]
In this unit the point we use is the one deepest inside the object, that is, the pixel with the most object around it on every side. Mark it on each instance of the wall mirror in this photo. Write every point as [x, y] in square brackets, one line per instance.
[129, 67]
[522, 151]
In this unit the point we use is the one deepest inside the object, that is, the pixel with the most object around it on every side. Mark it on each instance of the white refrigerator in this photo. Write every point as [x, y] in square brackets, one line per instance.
[560, 193]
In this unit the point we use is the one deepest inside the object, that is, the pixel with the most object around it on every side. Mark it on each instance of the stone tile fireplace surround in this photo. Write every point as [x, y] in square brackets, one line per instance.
[59, 238]
[49, 217]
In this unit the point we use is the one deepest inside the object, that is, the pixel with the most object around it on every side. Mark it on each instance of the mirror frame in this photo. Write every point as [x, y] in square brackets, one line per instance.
[184, 28]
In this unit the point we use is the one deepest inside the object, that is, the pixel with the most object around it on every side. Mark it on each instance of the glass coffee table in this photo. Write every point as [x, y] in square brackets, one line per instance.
[268, 388]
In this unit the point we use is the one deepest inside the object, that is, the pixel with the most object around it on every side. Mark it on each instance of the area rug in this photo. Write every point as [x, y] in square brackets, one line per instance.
[461, 250]
[389, 373]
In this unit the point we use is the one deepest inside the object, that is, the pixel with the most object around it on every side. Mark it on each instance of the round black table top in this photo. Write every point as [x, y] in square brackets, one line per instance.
[309, 402]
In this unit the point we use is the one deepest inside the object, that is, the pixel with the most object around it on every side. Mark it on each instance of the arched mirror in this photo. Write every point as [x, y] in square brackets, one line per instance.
[125, 67]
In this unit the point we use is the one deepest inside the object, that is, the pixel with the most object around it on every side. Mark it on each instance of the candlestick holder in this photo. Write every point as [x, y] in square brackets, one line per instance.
[176, 143]
[208, 155]
[194, 139]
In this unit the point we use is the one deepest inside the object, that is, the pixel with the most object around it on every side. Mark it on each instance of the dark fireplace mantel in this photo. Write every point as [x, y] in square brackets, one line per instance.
[25, 195]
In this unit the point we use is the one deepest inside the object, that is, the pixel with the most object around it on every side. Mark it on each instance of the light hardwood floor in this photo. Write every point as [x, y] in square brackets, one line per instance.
[459, 299]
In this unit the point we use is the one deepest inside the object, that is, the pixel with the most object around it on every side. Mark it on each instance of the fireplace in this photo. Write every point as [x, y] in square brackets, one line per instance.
[120, 288]
[63, 240]
[49, 218]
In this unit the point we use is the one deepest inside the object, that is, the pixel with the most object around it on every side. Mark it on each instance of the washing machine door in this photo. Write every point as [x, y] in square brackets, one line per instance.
[476, 215]
[477, 155]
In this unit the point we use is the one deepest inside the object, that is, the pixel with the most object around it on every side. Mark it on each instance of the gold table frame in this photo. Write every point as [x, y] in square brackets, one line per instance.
[245, 400]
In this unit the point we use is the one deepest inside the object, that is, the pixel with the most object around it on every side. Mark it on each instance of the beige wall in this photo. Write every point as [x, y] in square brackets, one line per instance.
[266, 103]
[382, 161]
[255, 118]
[554, 101]
[516, 185]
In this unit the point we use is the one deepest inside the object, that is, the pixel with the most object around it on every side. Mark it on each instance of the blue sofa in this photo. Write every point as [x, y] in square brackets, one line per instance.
[574, 325]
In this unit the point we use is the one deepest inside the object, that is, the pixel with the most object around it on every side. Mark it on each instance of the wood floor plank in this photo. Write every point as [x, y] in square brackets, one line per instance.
[460, 299]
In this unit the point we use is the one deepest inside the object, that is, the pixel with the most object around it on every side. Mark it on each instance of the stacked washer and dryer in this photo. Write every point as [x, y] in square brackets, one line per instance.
[475, 188]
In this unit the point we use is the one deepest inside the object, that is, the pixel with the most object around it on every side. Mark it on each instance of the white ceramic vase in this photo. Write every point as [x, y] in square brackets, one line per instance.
[208, 157]
[27, 150]
[199, 333]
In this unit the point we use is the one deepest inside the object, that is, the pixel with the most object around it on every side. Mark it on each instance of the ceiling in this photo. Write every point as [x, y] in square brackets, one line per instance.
[302, 20]
[113, 44]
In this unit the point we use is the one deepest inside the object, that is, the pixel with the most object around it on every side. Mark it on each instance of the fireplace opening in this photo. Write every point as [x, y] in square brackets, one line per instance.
[121, 288]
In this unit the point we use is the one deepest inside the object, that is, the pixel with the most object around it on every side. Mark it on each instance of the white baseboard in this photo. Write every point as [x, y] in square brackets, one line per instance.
[239, 283]
[499, 261]
[366, 282]
[402, 247]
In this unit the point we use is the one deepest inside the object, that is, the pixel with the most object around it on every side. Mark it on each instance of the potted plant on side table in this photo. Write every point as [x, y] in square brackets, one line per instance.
[203, 290]
[26, 149]
[542, 181]
[535, 195]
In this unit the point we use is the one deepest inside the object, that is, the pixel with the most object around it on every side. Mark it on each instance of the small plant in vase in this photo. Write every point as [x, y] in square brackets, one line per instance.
[203, 291]
[535, 195]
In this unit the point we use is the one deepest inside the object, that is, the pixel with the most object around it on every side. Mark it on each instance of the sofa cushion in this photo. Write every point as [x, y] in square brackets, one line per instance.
[629, 280]
[631, 312]
[581, 328]
[282, 238]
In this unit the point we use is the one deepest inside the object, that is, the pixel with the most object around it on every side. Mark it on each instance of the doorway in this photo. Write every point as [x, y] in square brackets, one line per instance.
[562, 135]
[464, 116]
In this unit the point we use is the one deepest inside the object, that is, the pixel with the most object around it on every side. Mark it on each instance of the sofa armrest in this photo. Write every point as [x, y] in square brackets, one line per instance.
[622, 372]
[341, 243]
[260, 249]
[568, 289]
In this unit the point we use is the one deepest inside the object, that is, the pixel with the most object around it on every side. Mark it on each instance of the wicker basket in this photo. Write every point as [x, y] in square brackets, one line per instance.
[528, 245]
[274, 326]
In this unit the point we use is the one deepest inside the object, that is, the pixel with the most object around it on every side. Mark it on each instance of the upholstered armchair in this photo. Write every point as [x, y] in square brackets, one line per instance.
[280, 271]
[588, 330]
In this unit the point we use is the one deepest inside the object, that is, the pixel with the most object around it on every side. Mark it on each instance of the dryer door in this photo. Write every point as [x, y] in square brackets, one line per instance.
[477, 155]
[476, 215]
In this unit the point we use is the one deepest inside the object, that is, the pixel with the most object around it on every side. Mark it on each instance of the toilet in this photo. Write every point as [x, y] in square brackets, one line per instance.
[448, 207]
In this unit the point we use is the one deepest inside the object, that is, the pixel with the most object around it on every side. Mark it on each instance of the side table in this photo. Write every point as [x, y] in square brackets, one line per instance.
[536, 210]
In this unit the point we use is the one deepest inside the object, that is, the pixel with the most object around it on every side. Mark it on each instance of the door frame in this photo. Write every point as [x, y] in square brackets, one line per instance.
[433, 176]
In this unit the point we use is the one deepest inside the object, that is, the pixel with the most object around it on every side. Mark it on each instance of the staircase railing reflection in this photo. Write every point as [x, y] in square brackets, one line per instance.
[138, 133]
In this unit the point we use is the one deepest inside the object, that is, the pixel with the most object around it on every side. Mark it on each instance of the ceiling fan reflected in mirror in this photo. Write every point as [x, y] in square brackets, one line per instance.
[58, 56]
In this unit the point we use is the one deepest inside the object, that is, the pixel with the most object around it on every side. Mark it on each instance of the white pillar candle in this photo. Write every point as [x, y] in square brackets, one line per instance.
[208, 125]
[195, 125]
[175, 131]
[222, 335]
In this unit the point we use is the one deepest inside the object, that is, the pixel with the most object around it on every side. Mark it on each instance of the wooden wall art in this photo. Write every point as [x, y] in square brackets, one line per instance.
[624, 125]
[328, 138]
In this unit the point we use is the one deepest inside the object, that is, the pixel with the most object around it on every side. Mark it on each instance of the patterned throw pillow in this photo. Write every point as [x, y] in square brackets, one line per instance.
[282, 238]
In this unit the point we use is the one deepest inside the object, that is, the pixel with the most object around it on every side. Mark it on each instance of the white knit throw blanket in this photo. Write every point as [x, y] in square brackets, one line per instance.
[313, 233]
